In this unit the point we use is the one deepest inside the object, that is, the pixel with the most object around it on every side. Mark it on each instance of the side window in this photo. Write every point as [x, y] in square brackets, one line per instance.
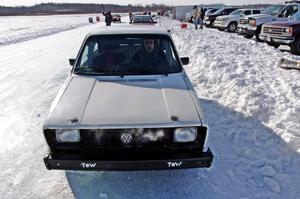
[256, 12]
[247, 12]
[289, 11]
[87, 54]
[295, 9]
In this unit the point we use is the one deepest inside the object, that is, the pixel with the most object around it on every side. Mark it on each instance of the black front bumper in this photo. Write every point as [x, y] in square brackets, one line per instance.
[244, 31]
[132, 163]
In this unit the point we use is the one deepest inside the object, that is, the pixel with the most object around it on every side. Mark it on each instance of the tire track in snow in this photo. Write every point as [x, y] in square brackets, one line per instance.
[31, 74]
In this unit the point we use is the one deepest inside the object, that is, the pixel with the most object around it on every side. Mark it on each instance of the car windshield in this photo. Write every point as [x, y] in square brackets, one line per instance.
[236, 12]
[128, 55]
[211, 11]
[219, 11]
[273, 10]
[142, 19]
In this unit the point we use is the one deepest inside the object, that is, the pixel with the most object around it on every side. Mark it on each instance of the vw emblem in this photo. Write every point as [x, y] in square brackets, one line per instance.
[126, 138]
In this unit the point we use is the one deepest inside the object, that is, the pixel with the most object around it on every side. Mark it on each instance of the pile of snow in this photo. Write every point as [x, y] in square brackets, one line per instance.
[251, 105]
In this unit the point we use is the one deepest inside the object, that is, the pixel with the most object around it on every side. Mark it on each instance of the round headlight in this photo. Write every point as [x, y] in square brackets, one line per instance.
[185, 134]
[67, 135]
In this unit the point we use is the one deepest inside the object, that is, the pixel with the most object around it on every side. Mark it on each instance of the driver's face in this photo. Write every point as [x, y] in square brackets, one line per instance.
[149, 45]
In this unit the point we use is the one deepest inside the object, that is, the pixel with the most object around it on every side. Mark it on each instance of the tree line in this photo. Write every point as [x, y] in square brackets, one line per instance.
[77, 8]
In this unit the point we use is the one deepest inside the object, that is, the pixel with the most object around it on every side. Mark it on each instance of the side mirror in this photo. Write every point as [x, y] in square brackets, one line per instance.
[154, 21]
[185, 60]
[130, 22]
[72, 62]
[280, 15]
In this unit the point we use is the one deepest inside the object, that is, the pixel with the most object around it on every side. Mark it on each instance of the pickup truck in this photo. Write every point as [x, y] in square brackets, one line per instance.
[283, 33]
[251, 25]
[230, 22]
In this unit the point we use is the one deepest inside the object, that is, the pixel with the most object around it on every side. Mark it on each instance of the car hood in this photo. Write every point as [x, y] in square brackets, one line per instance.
[261, 16]
[287, 23]
[228, 17]
[87, 101]
[213, 15]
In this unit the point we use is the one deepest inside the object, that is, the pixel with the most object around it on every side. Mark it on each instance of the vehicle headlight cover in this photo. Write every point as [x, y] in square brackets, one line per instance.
[252, 22]
[288, 30]
[187, 134]
[67, 135]
[206, 18]
[224, 19]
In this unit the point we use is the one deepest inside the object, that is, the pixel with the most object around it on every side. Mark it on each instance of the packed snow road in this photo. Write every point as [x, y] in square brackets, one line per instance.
[252, 107]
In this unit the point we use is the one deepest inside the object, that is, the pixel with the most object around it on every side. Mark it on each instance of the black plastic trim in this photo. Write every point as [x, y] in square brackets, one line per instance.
[176, 161]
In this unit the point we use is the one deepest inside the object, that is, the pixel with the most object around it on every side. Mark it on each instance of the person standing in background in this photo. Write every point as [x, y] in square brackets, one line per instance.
[202, 14]
[196, 16]
[130, 16]
[108, 18]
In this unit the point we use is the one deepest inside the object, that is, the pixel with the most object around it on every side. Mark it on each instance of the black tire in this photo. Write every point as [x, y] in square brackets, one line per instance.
[232, 27]
[270, 43]
[257, 32]
[213, 23]
[248, 36]
[275, 45]
[295, 47]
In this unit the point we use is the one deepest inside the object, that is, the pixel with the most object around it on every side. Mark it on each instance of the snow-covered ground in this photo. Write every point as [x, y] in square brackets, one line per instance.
[252, 107]
[14, 29]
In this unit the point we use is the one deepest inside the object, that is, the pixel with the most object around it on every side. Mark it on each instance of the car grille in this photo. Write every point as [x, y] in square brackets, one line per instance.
[109, 140]
[273, 30]
[244, 21]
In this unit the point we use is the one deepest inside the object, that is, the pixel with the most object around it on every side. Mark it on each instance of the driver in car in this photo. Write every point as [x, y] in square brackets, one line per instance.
[148, 55]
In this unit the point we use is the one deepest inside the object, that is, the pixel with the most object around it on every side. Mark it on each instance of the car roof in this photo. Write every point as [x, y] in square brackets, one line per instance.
[129, 29]
[142, 16]
[231, 8]
[249, 9]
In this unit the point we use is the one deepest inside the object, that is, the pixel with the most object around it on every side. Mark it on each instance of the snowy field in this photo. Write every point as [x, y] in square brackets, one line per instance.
[14, 29]
[252, 107]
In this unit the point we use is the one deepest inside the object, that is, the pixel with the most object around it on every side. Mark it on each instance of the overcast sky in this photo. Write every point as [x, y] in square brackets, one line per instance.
[144, 2]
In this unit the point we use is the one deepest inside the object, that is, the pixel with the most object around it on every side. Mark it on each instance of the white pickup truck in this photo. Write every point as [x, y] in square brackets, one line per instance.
[251, 25]
[230, 22]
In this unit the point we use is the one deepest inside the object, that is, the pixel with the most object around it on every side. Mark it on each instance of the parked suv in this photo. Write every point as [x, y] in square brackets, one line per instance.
[230, 22]
[209, 19]
[251, 26]
[127, 105]
[283, 33]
